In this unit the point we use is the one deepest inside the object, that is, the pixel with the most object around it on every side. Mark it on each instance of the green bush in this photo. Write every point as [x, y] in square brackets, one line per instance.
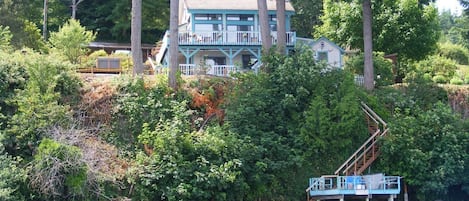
[440, 79]
[382, 68]
[49, 85]
[455, 52]
[436, 65]
[12, 177]
[58, 171]
[71, 39]
[5, 37]
[456, 81]
[466, 79]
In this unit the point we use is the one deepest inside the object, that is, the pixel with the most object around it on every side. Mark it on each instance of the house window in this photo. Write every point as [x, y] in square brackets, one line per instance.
[207, 17]
[240, 17]
[273, 27]
[209, 60]
[273, 18]
[322, 56]
[207, 27]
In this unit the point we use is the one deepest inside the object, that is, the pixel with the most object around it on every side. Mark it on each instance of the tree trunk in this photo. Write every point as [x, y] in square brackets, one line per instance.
[44, 22]
[173, 43]
[74, 8]
[136, 37]
[264, 26]
[281, 27]
[368, 45]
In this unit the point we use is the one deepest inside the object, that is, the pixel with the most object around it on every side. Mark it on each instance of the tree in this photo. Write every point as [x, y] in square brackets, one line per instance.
[111, 19]
[428, 149]
[74, 7]
[306, 16]
[71, 40]
[368, 45]
[408, 27]
[5, 37]
[44, 21]
[281, 27]
[264, 26]
[276, 112]
[136, 37]
[173, 43]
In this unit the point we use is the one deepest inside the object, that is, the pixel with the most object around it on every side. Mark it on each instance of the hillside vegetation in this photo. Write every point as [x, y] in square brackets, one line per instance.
[251, 137]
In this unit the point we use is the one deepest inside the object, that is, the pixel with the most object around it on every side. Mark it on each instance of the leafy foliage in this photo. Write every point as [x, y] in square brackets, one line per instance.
[12, 177]
[12, 77]
[437, 66]
[431, 150]
[58, 171]
[137, 104]
[71, 40]
[306, 16]
[5, 37]
[39, 104]
[188, 165]
[282, 113]
[455, 52]
[382, 68]
[405, 27]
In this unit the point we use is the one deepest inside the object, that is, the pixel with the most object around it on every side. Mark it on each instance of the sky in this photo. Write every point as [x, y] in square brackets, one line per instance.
[452, 5]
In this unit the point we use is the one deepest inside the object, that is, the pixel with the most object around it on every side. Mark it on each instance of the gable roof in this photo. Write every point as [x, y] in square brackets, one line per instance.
[232, 5]
[311, 42]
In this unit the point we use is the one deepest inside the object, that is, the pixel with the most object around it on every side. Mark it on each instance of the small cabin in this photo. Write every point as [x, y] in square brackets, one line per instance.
[325, 50]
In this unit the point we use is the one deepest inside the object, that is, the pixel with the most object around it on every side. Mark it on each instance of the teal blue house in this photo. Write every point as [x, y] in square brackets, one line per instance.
[220, 37]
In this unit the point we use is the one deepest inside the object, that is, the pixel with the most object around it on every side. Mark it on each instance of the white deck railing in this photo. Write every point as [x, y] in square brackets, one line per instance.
[218, 70]
[229, 38]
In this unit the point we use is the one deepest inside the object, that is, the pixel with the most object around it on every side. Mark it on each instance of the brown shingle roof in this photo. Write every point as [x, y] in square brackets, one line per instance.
[231, 4]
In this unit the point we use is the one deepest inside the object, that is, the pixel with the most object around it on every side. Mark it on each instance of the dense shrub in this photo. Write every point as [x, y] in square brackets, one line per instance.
[58, 171]
[440, 79]
[138, 103]
[297, 97]
[71, 39]
[12, 77]
[12, 177]
[382, 68]
[5, 37]
[455, 52]
[50, 84]
[456, 81]
[436, 65]
[434, 137]
[466, 79]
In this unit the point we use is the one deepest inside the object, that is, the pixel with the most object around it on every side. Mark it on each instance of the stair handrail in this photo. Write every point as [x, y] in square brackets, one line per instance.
[164, 45]
[353, 156]
[365, 146]
[373, 115]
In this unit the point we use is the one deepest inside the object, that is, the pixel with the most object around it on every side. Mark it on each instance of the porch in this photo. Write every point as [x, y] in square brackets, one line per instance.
[229, 38]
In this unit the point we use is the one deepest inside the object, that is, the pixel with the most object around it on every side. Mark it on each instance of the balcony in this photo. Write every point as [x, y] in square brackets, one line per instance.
[230, 38]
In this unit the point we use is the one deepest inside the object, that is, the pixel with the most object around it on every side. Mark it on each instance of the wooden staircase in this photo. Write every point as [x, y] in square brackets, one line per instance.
[369, 151]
